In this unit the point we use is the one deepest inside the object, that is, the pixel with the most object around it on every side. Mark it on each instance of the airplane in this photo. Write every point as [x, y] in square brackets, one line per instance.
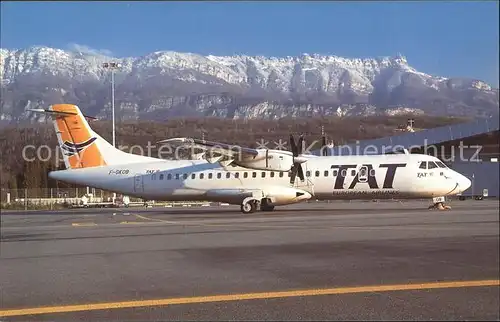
[255, 179]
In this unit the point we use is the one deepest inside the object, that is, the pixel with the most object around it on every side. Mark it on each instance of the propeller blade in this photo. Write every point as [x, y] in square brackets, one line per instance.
[300, 172]
[293, 146]
[296, 168]
[301, 145]
[323, 146]
[293, 174]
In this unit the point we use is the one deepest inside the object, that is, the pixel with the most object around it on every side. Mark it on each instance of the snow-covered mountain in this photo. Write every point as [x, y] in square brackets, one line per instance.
[168, 84]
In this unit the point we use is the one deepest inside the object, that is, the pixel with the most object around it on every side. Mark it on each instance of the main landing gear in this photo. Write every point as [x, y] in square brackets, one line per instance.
[439, 204]
[251, 205]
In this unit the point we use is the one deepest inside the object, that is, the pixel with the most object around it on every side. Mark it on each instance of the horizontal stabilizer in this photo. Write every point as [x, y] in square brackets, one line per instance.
[61, 113]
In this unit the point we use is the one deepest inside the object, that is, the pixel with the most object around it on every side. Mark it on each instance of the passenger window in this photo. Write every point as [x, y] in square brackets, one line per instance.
[210, 175]
[245, 174]
[228, 175]
[236, 175]
[193, 176]
[308, 173]
[176, 176]
[281, 174]
[432, 165]
[372, 172]
[362, 172]
[219, 175]
[254, 174]
[272, 174]
[317, 173]
[326, 173]
[202, 175]
[169, 176]
[161, 176]
[263, 175]
[353, 173]
[343, 173]
[335, 173]
[423, 165]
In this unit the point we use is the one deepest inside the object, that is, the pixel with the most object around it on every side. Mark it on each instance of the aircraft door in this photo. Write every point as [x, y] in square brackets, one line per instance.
[363, 174]
[138, 183]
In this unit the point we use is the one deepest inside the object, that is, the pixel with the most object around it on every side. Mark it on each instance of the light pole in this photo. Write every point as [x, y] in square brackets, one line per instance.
[112, 66]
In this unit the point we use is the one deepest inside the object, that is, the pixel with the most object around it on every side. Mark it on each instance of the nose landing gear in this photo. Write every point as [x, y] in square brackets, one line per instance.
[439, 204]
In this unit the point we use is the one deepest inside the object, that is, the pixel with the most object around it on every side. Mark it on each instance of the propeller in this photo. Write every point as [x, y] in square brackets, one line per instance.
[297, 167]
[324, 149]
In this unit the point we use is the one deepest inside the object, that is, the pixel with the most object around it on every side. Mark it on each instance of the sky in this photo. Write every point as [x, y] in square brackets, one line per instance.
[450, 39]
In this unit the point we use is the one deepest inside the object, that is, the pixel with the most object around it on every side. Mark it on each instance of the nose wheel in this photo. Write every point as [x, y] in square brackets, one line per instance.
[439, 204]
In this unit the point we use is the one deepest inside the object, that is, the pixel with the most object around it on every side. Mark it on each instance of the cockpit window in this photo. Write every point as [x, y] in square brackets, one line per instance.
[441, 164]
[432, 165]
[423, 165]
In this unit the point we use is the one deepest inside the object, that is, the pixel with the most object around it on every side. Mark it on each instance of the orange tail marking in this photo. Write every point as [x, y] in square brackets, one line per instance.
[77, 140]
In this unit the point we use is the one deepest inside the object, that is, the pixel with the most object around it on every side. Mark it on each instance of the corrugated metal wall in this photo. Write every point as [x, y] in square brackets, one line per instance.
[427, 137]
[484, 175]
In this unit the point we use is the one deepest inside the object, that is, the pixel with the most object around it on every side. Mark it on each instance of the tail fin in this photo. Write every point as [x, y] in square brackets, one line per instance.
[80, 145]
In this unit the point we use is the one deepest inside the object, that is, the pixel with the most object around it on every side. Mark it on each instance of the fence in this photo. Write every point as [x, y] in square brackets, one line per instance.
[53, 197]
[41, 196]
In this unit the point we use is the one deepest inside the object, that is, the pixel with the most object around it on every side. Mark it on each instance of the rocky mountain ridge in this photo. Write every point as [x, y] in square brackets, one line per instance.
[170, 84]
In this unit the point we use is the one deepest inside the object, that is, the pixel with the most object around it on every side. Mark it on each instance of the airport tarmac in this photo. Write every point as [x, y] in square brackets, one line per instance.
[313, 261]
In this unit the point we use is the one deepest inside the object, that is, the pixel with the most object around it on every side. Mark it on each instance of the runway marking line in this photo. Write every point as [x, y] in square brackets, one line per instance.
[200, 224]
[245, 296]
[250, 225]
[151, 219]
[83, 224]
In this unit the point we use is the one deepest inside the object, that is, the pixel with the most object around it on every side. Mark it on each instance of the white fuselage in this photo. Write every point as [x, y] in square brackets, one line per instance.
[326, 178]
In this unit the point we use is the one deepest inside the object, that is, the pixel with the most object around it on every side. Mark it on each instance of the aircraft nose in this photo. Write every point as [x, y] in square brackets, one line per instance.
[464, 183]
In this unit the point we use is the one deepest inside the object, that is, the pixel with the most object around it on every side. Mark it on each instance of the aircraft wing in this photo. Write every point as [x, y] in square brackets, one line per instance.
[232, 151]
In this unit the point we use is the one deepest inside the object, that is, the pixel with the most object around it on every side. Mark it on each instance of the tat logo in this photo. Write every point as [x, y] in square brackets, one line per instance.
[367, 177]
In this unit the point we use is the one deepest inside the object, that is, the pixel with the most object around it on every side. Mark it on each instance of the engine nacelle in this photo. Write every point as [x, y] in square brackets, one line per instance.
[270, 160]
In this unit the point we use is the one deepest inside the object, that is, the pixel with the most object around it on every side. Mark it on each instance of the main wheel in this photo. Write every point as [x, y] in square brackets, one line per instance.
[248, 207]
